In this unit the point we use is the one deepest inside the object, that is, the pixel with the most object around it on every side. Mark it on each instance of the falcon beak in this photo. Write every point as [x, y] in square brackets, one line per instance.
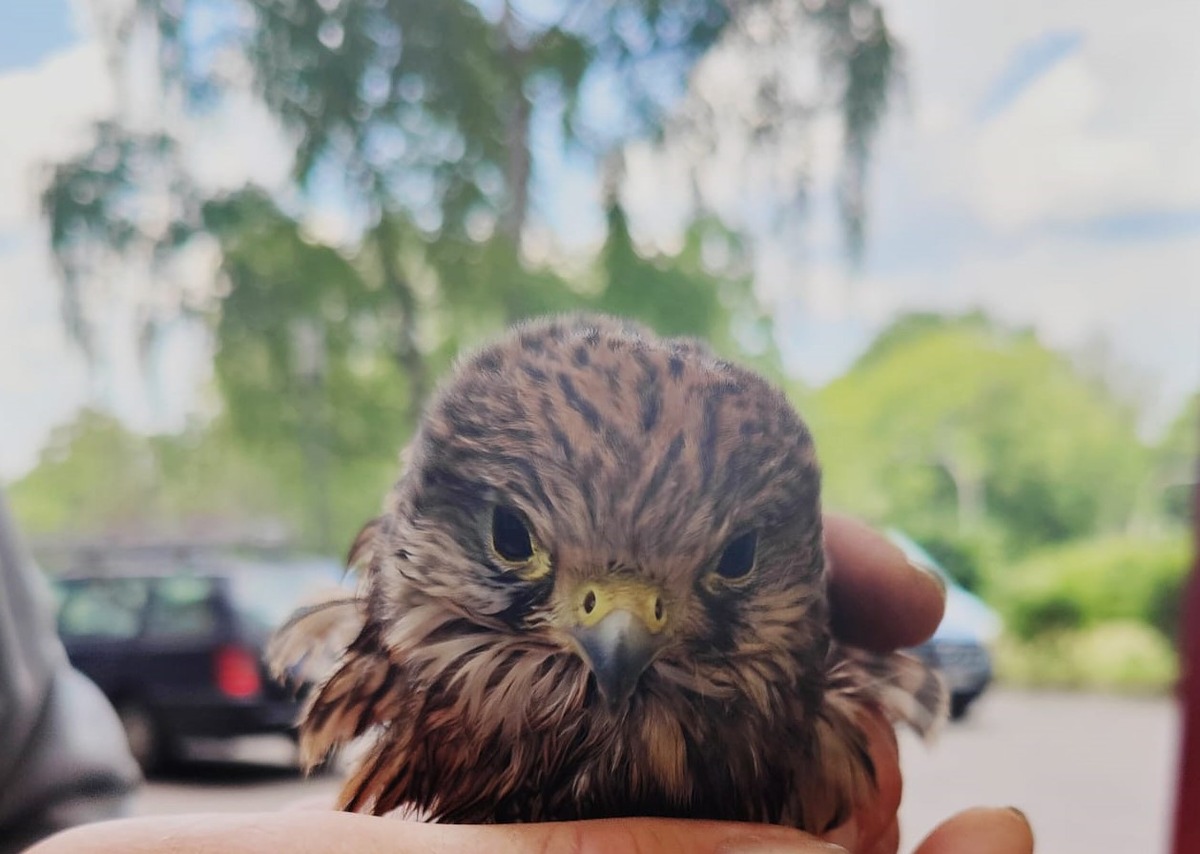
[619, 629]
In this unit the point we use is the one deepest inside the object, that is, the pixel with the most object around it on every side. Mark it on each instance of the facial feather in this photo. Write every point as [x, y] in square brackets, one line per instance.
[631, 465]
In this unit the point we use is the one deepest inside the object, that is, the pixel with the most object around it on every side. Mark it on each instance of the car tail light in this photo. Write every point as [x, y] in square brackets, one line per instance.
[236, 670]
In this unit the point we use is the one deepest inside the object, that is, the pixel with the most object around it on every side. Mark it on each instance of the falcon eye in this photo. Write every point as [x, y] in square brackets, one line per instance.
[738, 558]
[510, 535]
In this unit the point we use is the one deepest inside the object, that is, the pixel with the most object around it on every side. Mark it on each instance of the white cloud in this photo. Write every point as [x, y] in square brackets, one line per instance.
[968, 213]
[972, 209]
[1139, 296]
[1111, 128]
[1051, 156]
[42, 378]
[744, 182]
[658, 196]
[1042, 159]
[47, 111]
[237, 143]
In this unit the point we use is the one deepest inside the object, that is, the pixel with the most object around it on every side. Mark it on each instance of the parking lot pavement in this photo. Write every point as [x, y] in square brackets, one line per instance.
[256, 775]
[1093, 773]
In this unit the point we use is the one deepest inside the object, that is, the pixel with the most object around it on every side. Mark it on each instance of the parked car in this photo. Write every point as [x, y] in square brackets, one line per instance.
[960, 648]
[177, 643]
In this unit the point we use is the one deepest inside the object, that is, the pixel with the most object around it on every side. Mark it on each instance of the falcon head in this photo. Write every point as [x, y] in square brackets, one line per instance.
[597, 589]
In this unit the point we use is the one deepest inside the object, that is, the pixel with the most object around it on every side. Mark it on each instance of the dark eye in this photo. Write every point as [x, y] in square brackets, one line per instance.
[738, 558]
[510, 535]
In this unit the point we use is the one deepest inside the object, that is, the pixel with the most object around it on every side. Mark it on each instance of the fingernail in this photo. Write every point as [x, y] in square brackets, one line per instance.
[1021, 816]
[933, 574]
[777, 845]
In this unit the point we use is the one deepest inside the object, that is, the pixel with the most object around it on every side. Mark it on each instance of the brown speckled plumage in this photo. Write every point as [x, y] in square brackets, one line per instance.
[634, 461]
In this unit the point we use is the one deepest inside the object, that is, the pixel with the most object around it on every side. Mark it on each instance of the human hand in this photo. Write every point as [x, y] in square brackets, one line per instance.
[879, 601]
[882, 602]
[979, 831]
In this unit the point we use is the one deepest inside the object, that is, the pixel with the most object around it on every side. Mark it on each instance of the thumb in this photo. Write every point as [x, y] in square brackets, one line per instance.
[303, 832]
[981, 831]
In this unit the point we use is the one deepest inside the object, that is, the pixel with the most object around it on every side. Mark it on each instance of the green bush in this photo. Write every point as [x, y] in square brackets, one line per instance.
[1098, 581]
[1048, 612]
[963, 558]
[1122, 656]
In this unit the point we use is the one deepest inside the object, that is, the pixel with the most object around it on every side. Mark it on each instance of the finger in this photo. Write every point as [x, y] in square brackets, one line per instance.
[312, 832]
[887, 843]
[873, 828]
[878, 599]
[981, 831]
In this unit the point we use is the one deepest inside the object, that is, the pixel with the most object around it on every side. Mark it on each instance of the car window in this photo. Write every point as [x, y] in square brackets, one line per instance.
[109, 608]
[181, 608]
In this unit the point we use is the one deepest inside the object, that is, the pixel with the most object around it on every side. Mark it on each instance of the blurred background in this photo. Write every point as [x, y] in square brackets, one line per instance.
[241, 240]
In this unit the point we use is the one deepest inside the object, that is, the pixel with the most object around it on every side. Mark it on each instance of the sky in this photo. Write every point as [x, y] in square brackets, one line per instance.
[1041, 166]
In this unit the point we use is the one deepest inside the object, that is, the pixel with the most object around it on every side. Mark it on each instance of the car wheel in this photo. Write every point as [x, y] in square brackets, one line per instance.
[149, 745]
[959, 703]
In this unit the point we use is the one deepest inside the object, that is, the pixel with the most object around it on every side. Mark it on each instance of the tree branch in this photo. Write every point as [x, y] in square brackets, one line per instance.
[406, 352]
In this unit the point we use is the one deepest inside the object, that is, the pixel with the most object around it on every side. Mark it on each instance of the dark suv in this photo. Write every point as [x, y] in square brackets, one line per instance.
[177, 644]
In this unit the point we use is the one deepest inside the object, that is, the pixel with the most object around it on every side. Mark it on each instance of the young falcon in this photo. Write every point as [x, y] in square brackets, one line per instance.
[598, 589]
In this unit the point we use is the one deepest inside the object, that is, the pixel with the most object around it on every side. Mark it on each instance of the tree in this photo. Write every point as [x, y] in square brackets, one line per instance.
[307, 443]
[961, 427]
[418, 118]
[425, 111]
[98, 481]
[1172, 478]
[93, 474]
[95, 477]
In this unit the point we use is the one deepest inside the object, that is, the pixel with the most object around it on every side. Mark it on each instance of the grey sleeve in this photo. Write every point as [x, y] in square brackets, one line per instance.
[63, 756]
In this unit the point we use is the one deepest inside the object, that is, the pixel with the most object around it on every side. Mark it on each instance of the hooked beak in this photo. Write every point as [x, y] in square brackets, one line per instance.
[619, 629]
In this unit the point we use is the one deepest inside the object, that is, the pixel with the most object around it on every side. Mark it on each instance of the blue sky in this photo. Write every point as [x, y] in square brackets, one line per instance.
[30, 29]
[1042, 169]
[1027, 64]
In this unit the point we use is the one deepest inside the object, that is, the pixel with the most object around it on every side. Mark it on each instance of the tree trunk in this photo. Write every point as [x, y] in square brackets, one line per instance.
[520, 160]
[407, 354]
[968, 491]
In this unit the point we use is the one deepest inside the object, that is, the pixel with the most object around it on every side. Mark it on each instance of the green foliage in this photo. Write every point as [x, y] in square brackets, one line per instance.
[1093, 582]
[96, 479]
[704, 291]
[1176, 465]
[93, 475]
[968, 558]
[907, 329]
[92, 208]
[420, 115]
[1024, 478]
[1121, 656]
[418, 118]
[960, 426]
[863, 50]
[664, 294]
[207, 479]
[302, 351]
[315, 406]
